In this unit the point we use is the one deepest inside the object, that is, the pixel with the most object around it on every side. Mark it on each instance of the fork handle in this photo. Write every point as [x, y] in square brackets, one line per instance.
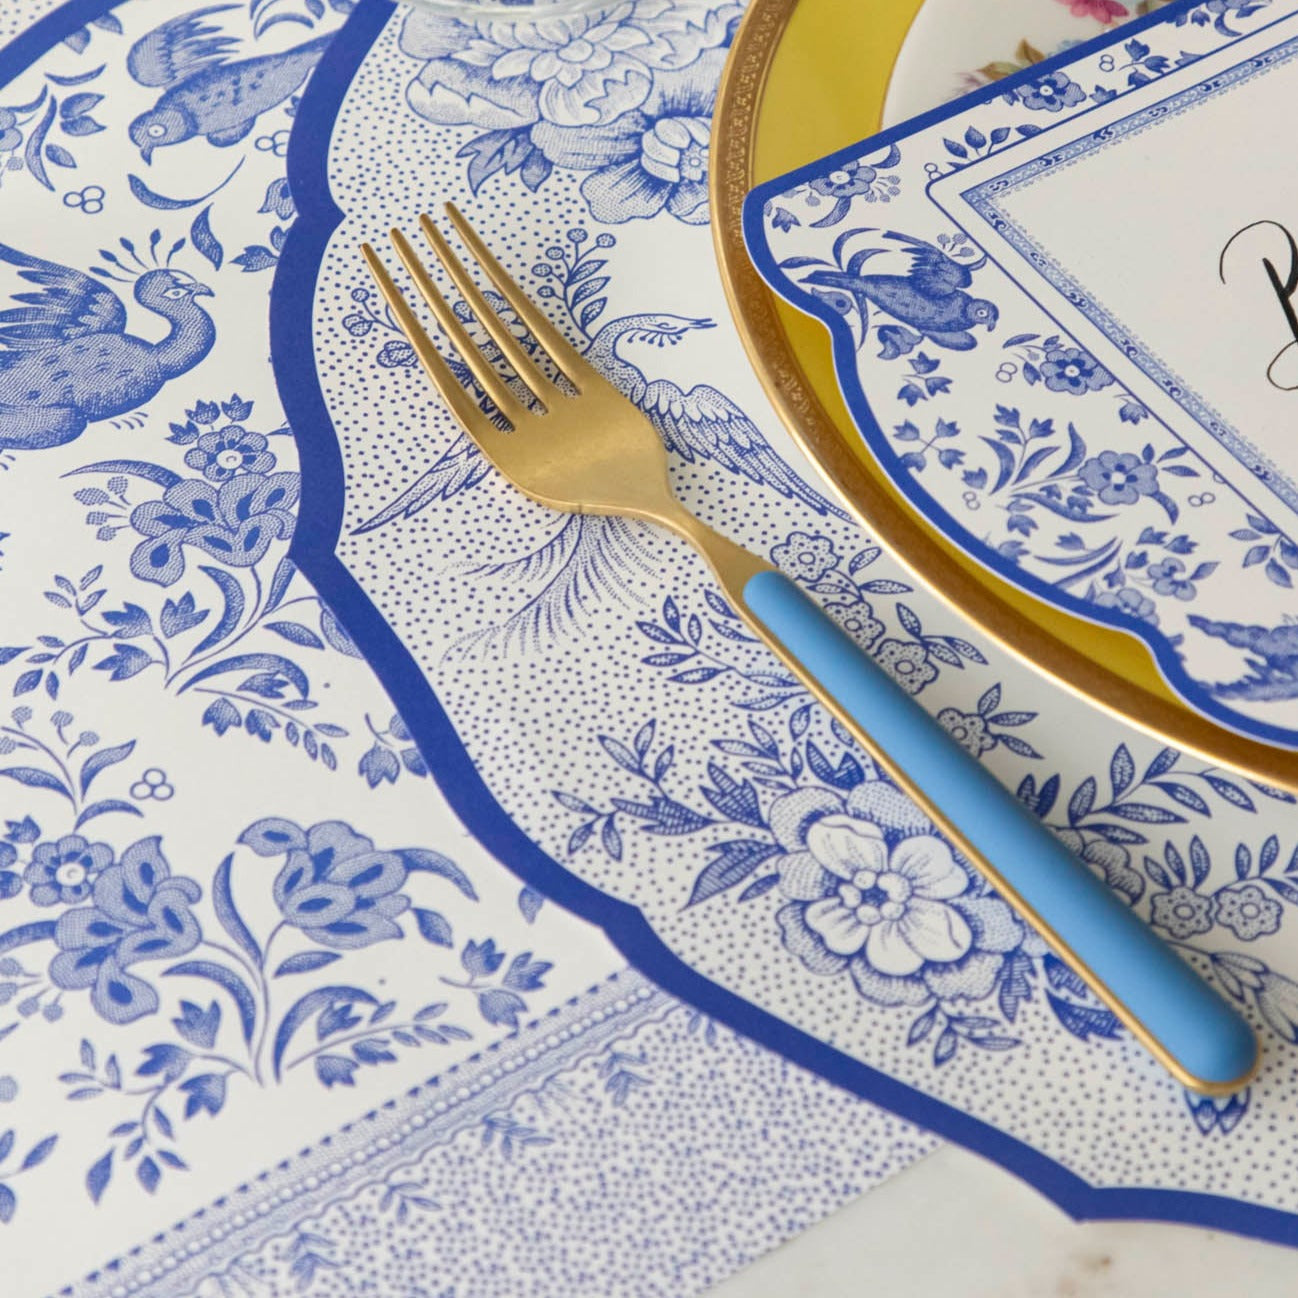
[1194, 1032]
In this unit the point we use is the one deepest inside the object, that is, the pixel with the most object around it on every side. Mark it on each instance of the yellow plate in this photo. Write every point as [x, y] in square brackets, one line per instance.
[807, 77]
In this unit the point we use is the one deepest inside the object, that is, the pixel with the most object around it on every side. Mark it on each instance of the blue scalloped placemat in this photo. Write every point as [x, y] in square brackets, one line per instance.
[697, 813]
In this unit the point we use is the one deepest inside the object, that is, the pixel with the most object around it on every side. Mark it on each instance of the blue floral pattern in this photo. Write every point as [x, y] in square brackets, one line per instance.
[1048, 485]
[175, 961]
[709, 793]
[623, 92]
[667, 798]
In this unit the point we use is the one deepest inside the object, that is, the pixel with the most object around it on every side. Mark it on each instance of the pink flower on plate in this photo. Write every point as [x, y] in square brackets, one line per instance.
[1103, 11]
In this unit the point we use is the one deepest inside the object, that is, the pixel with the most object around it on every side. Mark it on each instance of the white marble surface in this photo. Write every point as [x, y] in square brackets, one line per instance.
[960, 1227]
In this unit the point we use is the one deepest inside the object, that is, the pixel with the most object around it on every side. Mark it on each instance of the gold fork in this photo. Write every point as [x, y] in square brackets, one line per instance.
[588, 450]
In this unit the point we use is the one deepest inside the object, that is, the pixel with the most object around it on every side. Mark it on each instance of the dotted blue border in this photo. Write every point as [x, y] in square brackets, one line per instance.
[845, 366]
[313, 551]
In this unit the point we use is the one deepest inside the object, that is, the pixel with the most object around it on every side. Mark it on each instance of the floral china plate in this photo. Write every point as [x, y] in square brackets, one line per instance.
[777, 118]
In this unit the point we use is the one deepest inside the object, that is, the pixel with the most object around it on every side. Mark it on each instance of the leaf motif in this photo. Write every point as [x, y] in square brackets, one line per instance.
[297, 634]
[34, 778]
[529, 903]
[228, 913]
[1163, 763]
[734, 862]
[25, 934]
[98, 1177]
[103, 807]
[200, 233]
[253, 662]
[228, 982]
[422, 860]
[35, 141]
[279, 583]
[154, 473]
[1005, 462]
[40, 1151]
[1147, 814]
[1082, 801]
[232, 595]
[1084, 1021]
[306, 962]
[1122, 770]
[96, 762]
[312, 1003]
[434, 927]
[1185, 795]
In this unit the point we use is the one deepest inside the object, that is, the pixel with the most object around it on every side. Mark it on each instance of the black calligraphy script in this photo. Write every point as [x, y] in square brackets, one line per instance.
[1285, 286]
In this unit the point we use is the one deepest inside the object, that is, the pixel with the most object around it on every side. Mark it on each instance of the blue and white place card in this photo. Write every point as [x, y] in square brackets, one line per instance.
[1063, 316]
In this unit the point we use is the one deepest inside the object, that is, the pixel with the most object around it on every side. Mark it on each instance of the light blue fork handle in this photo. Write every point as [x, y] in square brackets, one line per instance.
[1193, 1029]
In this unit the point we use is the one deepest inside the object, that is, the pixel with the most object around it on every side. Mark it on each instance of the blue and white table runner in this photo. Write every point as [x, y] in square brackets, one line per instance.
[224, 945]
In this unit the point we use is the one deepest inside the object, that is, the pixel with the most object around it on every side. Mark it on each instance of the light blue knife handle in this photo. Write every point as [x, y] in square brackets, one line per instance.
[1201, 1037]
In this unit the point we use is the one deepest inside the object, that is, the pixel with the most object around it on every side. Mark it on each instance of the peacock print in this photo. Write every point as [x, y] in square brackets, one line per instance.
[67, 359]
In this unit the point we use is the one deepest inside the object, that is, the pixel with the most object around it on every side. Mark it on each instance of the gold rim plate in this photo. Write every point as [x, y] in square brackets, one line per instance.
[806, 77]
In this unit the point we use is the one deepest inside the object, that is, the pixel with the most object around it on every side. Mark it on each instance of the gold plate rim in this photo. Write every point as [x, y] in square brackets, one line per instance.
[754, 307]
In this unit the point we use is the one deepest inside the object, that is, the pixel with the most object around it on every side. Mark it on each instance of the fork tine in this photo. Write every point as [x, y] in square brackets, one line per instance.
[561, 351]
[520, 362]
[494, 386]
[463, 407]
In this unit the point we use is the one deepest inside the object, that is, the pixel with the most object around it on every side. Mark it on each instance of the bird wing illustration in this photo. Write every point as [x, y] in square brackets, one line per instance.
[459, 468]
[701, 425]
[932, 271]
[179, 48]
[70, 305]
[705, 424]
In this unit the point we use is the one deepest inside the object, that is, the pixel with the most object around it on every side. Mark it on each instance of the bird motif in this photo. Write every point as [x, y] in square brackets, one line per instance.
[930, 298]
[66, 359]
[701, 424]
[204, 93]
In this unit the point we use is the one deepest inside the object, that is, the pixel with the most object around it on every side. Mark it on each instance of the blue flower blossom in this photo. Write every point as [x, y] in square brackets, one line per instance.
[1120, 478]
[907, 663]
[63, 872]
[805, 555]
[625, 91]
[585, 68]
[1069, 369]
[1050, 94]
[1167, 579]
[138, 913]
[220, 455]
[334, 886]
[650, 159]
[853, 179]
[873, 890]
[1248, 911]
[1183, 912]
[234, 523]
[1129, 600]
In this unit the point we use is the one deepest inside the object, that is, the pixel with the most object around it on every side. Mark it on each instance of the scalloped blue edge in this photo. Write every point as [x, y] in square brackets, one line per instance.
[845, 369]
[319, 526]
